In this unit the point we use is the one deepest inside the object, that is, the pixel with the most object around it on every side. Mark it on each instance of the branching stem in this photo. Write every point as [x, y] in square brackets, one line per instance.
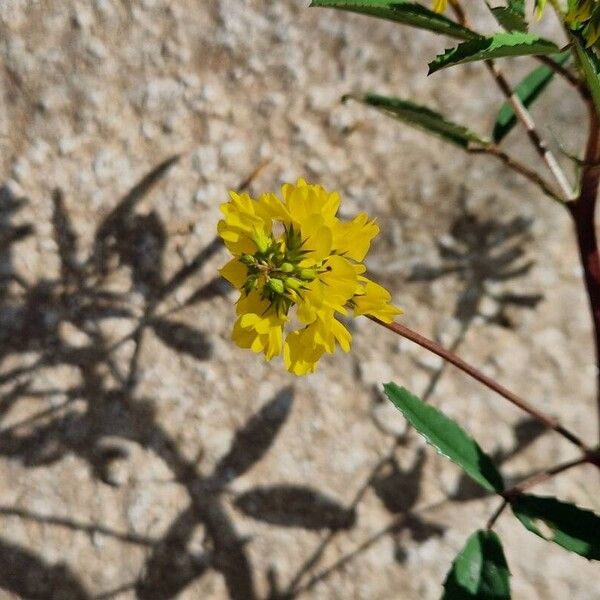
[523, 115]
[518, 167]
[569, 77]
[491, 383]
[534, 480]
[583, 211]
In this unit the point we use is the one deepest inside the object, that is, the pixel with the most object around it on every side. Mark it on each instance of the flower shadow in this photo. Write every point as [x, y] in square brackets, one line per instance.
[58, 321]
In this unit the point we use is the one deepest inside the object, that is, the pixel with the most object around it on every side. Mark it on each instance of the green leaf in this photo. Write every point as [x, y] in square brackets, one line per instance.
[480, 571]
[497, 46]
[423, 118]
[528, 90]
[509, 19]
[447, 437]
[402, 11]
[567, 525]
[590, 67]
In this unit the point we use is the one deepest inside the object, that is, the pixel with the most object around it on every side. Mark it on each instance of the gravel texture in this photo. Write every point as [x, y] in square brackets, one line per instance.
[142, 455]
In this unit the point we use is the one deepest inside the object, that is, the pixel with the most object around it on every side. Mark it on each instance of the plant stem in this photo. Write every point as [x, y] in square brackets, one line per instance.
[563, 72]
[536, 480]
[452, 358]
[546, 475]
[583, 212]
[518, 167]
[316, 556]
[496, 514]
[522, 114]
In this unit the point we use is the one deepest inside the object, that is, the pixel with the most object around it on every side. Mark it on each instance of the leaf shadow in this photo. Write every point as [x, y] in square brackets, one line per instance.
[295, 506]
[27, 575]
[105, 407]
[106, 403]
[482, 254]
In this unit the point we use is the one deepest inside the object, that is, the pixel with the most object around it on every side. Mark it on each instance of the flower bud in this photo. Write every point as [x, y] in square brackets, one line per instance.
[307, 274]
[286, 267]
[247, 259]
[262, 241]
[293, 283]
[276, 285]
[250, 284]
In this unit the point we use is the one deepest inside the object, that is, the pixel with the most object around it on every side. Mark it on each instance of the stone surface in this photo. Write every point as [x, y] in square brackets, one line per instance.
[132, 460]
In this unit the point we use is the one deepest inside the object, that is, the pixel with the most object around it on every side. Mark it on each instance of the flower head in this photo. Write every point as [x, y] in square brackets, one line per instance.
[291, 252]
[584, 16]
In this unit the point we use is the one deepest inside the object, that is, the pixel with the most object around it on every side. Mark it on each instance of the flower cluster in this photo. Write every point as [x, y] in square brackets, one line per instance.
[440, 5]
[295, 252]
[584, 16]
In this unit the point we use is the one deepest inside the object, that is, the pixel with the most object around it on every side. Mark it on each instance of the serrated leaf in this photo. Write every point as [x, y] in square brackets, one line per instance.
[423, 118]
[480, 571]
[447, 437]
[500, 45]
[528, 90]
[590, 66]
[402, 11]
[508, 19]
[567, 525]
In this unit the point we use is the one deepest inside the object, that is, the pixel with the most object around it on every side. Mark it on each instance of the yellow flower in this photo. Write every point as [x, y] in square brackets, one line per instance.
[259, 326]
[580, 11]
[295, 251]
[301, 353]
[584, 16]
[375, 301]
[440, 5]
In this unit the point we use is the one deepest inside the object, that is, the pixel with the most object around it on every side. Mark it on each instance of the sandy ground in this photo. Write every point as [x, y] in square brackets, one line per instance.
[142, 455]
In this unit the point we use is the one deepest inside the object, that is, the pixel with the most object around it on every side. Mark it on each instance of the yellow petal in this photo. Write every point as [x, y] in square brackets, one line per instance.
[342, 335]
[375, 302]
[341, 282]
[354, 239]
[259, 326]
[301, 354]
[235, 272]
[317, 239]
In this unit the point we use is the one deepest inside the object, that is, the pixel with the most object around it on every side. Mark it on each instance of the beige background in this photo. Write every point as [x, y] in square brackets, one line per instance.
[112, 477]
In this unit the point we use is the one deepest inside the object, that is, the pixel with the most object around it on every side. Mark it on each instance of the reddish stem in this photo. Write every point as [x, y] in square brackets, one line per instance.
[476, 374]
[508, 495]
[583, 211]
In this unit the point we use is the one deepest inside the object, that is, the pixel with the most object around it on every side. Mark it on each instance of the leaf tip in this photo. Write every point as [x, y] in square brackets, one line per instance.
[432, 68]
[388, 387]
